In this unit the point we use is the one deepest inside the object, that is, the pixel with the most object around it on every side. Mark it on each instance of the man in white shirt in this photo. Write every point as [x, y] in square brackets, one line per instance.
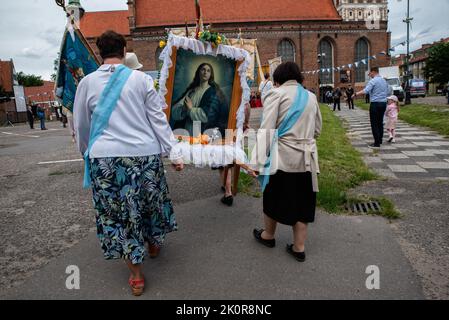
[130, 192]
[265, 86]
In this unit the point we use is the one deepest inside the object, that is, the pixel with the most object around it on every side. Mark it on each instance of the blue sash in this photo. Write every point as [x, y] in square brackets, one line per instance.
[294, 114]
[103, 111]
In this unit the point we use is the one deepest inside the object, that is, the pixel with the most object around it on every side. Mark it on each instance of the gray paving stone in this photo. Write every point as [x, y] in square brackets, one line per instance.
[385, 173]
[440, 152]
[434, 165]
[427, 144]
[405, 146]
[443, 143]
[371, 160]
[406, 168]
[393, 156]
[388, 147]
[415, 138]
[365, 150]
[418, 153]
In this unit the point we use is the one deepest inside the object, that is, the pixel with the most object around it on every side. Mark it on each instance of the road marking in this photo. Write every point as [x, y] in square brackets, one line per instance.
[20, 135]
[61, 161]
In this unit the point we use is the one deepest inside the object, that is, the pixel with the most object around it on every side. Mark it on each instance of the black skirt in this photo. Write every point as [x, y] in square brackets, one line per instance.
[289, 198]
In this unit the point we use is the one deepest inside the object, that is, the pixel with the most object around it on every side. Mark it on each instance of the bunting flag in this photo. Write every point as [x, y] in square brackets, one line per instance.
[76, 61]
[357, 63]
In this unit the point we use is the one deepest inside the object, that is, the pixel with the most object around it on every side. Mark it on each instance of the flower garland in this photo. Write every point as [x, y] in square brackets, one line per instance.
[213, 37]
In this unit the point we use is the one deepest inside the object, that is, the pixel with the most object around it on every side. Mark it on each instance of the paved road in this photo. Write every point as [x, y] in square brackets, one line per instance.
[213, 256]
[46, 224]
[416, 172]
[44, 210]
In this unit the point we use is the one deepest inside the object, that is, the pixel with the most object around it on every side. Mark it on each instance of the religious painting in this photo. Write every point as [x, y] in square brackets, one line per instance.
[202, 92]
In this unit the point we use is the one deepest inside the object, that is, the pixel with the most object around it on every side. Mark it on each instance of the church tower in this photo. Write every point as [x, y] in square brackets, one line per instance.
[362, 10]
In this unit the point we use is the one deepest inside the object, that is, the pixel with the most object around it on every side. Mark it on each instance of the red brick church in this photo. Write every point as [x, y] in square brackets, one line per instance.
[315, 34]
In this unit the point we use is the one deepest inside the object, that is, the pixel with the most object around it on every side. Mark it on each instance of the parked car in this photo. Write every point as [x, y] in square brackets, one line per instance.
[418, 88]
[391, 74]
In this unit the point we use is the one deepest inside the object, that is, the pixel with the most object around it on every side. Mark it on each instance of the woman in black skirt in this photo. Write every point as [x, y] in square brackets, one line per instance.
[289, 197]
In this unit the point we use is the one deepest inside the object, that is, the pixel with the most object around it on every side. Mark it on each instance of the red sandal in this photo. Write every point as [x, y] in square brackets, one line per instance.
[137, 286]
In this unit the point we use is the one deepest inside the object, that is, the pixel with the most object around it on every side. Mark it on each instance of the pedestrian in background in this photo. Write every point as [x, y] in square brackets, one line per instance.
[30, 116]
[392, 115]
[377, 89]
[41, 115]
[337, 98]
[349, 96]
[265, 86]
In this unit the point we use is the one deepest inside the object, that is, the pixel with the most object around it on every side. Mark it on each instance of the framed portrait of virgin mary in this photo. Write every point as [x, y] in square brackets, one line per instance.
[204, 87]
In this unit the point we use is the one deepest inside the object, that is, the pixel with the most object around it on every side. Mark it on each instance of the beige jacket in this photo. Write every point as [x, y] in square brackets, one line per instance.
[296, 151]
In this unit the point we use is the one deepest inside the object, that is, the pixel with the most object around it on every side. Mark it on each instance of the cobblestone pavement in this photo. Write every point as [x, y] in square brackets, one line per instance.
[416, 173]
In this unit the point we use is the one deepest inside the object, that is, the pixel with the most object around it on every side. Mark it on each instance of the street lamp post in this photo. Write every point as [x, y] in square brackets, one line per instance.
[408, 20]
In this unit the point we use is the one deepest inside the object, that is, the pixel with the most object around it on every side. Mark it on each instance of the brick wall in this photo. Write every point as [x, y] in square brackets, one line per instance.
[304, 36]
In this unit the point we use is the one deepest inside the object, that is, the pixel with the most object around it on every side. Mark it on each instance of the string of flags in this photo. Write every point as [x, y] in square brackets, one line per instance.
[355, 64]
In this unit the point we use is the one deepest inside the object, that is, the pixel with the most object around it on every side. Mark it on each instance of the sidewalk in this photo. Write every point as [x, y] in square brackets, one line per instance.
[417, 181]
[417, 154]
[214, 256]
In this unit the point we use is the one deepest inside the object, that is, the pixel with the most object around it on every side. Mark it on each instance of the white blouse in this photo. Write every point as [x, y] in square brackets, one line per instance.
[137, 127]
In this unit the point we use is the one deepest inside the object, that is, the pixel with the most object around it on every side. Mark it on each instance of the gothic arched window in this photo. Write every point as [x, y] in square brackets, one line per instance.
[361, 52]
[286, 50]
[326, 61]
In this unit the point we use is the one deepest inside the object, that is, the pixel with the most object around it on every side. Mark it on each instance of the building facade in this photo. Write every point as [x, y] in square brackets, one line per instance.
[315, 34]
[417, 65]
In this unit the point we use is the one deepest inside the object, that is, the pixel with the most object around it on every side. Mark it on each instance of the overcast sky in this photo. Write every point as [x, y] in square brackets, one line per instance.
[31, 30]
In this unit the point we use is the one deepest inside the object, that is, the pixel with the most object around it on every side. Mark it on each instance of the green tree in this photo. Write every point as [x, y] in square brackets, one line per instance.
[55, 67]
[437, 65]
[29, 80]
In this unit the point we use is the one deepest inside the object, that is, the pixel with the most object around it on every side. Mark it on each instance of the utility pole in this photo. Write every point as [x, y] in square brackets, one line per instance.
[408, 21]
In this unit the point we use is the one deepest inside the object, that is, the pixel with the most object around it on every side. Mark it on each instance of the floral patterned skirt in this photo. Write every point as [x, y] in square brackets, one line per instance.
[131, 199]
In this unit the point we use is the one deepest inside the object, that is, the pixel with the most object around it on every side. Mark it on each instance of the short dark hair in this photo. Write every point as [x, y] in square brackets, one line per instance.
[287, 71]
[375, 69]
[111, 45]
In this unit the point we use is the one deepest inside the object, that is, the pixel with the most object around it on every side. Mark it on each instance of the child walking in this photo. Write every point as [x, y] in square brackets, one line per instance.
[392, 117]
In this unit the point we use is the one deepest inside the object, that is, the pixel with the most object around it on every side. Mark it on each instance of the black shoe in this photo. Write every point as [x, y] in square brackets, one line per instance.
[268, 243]
[374, 146]
[227, 200]
[300, 256]
[390, 140]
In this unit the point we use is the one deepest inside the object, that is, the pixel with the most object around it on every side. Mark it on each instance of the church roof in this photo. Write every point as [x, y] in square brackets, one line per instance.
[151, 13]
[156, 13]
[93, 24]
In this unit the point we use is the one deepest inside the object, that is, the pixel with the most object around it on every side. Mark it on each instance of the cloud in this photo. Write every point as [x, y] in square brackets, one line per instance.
[30, 53]
[51, 36]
